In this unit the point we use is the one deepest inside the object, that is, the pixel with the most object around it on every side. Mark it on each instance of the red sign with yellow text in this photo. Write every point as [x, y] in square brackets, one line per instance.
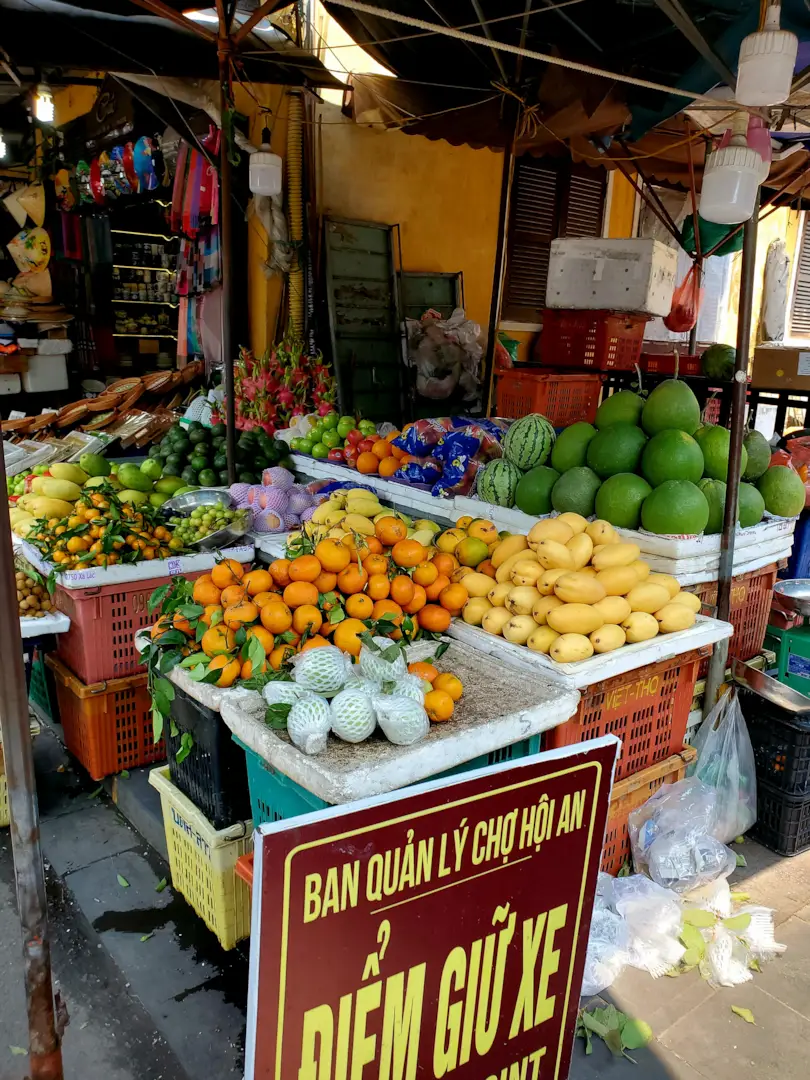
[439, 931]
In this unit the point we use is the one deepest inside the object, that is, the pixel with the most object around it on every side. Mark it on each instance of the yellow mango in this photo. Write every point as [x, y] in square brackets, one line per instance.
[63, 470]
[356, 523]
[519, 629]
[526, 572]
[554, 556]
[618, 580]
[522, 599]
[498, 593]
[569, 648]
[615, 555]
[602, 532]
[495, 620]
[672, 617]
[541, 639]
[477, 584]
[542, 607]
[475, 609]
[508, 547]
[648, 598]
[550, 529]
[548, 579]
[607, 638]
[667, 580]
[641, 568]
[688, 599]
[640, 626]
[504, 571]
[581, 548]
[574, 521]
[613, 609]
[43, 506]
[574, 619]
[577, 588]
[56, 489]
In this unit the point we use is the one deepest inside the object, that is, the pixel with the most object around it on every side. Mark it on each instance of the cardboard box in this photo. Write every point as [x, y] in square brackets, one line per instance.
[781, 367]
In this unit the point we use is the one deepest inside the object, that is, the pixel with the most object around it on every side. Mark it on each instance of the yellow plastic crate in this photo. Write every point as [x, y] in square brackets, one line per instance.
[203, 860]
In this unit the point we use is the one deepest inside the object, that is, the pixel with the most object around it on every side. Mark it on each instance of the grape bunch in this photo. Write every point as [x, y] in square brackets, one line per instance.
[205, 520]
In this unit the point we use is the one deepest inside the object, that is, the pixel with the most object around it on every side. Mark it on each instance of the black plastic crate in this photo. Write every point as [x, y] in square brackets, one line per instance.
[783, 821]
[781, 745]
[214, 774]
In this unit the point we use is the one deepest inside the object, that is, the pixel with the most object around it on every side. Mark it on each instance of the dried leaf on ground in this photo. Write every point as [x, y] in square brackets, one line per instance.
[744, 1014]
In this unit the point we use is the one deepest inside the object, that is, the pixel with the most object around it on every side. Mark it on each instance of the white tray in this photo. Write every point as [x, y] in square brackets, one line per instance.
[94, 576]
[598, 667]
[684, 547]
[53, 623]
[696, 570]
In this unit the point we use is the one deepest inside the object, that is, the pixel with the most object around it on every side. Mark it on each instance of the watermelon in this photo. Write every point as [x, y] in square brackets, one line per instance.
[528, 441]
[498, 481]
[717, 362]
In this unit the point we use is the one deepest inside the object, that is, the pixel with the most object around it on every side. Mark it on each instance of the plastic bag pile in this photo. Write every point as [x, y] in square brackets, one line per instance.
[449, 451]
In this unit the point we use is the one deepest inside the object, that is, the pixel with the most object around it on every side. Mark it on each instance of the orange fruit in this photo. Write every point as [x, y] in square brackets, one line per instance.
[433, 592]
[402, 590]
[347, 635]
[263, 598]
[234, 594]
[280, 572]
[217, 640]
[352, 580]
[486, 567]
[276, 618]
[257, 581]
[205, 591]
[305, 568]
[240, 614]
[423, 671]
[481, 529]
[460, 573]
[368, 463]
[417, 602]
[373, 546]
[408, 553]
[445, 563]
[332, 555]
[397, 454]
[307, 617]
[434, 618]
[325, 581]
[180, 622]
[247, 669]
[228, 572]
[314, 642]
[280, 655]
[209, 612]
[298, 593]
[230, 667]
[163, 624]
[389, 465]
[438, 705]
[390, 530]
[387, 607]
[375, 564]
[453, 598]
[359, 606]
[378, 586]
[451, 684]
[382, 449]
[392, 435]
[262, 635]
[426, 573]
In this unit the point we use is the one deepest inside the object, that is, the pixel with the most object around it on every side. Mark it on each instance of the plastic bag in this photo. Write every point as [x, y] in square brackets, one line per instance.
[725, 762]
[653, 918]
[686, 301]
[506, 351]
[606, 957]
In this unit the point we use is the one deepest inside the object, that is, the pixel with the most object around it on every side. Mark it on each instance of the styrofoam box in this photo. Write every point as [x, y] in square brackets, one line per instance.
[45, 373]
[620, 275]
[9, 384]
[47, 346]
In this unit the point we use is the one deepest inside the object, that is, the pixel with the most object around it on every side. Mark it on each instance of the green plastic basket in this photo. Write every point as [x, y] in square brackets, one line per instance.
[38, 691]
[274, 797]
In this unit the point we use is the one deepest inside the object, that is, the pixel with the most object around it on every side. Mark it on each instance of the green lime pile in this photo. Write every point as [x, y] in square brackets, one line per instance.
[197, 455]
[205, 520]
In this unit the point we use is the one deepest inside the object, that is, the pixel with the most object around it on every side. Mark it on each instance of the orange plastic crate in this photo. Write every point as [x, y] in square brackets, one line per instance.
[628, 795]
[244, 868]
[647, 709]
[599, 340]
[107, 725]
[562, 399]
[751, 597]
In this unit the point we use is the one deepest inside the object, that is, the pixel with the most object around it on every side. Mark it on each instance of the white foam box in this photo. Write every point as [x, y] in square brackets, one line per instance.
[47, 346]
[9, 384]
[45, 373]
[619, 275]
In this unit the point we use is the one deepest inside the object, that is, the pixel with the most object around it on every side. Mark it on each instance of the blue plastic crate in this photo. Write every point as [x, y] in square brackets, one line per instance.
[274, 797]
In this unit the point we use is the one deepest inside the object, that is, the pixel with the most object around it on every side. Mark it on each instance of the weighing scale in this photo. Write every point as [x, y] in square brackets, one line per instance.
[792, 646]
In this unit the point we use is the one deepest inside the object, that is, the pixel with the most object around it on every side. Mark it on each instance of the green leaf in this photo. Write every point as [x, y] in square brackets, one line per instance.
[613, 1041]
[391, 653]
[157, 724]
[95, 794]
[163, 686]
[157, 597]
[692, 940]
[696, 917]
[193, 660]
[276, 716]
[217, 617]
[186, 746]
[161, 885]
[169, 661]
[199, 633]
[146, 937]
[122, 881]
[336, 615]
[635, 1034]
[124, 774]
[690, 959]
[256, 654]
[174, 731]
[441, 650]
[18, 1051]
[740, 897]
[191, 611]
[198, 673]
[240, 637]
[744, 1014]
[738, 923]
[740, 859]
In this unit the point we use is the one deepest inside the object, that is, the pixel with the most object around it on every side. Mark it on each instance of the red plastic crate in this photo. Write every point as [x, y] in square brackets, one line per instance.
[664, 364]
[647, 709]
[599, 340]
[751, 598]
[103, 623]
[107, 725]
[628, 795]
[562, 399]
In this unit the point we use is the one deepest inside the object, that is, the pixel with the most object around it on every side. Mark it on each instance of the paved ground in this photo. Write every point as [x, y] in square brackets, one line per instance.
[153, 997]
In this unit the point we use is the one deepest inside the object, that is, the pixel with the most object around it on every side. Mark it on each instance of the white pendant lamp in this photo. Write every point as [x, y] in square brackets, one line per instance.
[731, 178]
[767, 61]
[43, 104]
[266, 169]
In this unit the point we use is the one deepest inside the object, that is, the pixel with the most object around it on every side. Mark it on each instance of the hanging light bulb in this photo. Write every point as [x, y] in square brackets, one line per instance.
[767, 61]
[3, 147]
[43, 104]
[731, 176]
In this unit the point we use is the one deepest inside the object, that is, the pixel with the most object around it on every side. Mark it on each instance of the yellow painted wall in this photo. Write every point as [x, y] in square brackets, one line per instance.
[72, 101]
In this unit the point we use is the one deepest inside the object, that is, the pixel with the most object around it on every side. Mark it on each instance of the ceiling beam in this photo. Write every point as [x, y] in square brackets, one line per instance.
[679, 17]
[163, 11]
[552, 6]
[480, 16]
[261, 12]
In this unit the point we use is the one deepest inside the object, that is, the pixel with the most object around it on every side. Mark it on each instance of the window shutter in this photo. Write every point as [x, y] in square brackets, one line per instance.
[800, 311]
[586, 203]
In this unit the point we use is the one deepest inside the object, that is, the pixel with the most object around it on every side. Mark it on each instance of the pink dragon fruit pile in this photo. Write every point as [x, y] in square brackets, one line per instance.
[272, 389]
[278, 504]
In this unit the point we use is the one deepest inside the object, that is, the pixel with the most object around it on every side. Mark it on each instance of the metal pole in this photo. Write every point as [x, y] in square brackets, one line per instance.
[717, 664]
[45, 1054]
[226, 247]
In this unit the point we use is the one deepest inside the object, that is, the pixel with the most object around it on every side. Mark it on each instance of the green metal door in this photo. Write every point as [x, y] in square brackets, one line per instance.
[422, 291]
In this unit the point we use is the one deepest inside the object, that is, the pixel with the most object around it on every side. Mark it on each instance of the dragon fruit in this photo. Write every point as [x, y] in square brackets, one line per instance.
[374, 666]
[267, 521]
[300, 499]
[321, 670]
[278, 477]
[402, 720]
[353, 716]
[309, 721]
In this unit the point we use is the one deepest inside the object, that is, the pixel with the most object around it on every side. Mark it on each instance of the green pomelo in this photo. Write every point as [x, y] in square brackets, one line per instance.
[715, 492]
[575, 491]
[620, 498]
[717, 362]
[571, 447]
[672, 455]
[783, 491]
[671, 405]
[751, 506]
[533, 492]
[623, 407]
[759, 455]
[715, 443]
[616, 449]
[675, 508]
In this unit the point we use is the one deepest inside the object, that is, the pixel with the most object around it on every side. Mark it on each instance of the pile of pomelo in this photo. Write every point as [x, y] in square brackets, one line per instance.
[652, 464]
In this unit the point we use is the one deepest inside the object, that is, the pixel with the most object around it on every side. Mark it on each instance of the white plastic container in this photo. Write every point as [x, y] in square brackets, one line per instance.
[731, 178]
[767, 60]
[45, 373]
[265, 172]
[618, 275]
[9, 384]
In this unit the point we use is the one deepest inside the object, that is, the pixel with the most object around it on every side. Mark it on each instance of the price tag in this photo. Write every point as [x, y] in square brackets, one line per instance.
[175, 567]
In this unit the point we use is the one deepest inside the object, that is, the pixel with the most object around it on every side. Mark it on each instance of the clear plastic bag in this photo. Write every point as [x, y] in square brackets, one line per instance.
[606, 957]
[725, 763]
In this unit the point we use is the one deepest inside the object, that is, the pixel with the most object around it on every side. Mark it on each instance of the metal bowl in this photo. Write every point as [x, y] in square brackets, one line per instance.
[182, 506]
[794, 595]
